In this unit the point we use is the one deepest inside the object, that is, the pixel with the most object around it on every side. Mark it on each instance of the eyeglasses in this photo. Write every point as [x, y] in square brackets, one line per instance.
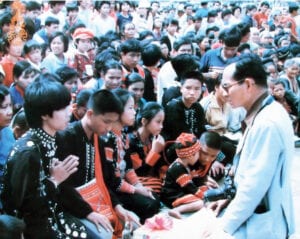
[227, 86]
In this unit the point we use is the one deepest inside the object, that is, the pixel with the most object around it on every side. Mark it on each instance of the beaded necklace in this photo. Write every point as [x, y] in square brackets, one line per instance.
[89, 162]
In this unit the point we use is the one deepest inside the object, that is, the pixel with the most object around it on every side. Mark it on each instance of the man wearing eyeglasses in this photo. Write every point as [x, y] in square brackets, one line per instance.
[214, 61]
[262, 206]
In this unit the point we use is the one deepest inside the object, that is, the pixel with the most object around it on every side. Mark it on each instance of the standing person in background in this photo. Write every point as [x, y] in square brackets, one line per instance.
[261, 174]
[262, 15]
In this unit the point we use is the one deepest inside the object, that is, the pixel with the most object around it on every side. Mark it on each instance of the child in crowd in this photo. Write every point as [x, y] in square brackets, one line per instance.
[24, 73]
[111, 75]
[146, 146]
[187, 179]
[69, 78]
[83, 63]
[129, 190]
[136, 85]
[33, 53]
[130, 56]
[19, 124]
[79, 106]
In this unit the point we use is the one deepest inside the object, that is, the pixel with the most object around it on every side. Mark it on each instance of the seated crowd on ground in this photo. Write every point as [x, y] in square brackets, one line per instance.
[149, 124]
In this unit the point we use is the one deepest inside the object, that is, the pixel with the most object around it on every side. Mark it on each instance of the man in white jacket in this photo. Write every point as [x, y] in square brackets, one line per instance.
[262, 207]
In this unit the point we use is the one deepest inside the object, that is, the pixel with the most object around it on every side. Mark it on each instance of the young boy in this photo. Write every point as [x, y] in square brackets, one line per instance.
[186, 179]
[83, 63]
[131, 51]
[82, 139]
[33, 53]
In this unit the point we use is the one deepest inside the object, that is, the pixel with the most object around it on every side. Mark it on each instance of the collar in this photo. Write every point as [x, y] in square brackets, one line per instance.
[258, 105]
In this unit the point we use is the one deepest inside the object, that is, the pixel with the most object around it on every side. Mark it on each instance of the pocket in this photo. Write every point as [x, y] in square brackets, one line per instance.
[260, 226]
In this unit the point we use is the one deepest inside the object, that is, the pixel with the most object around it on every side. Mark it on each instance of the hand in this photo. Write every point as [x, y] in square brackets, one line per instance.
[216, 169]
[213, 75]
[217, 206]
[127, 216]
[158, 143]
[99, 219]
[144, 191]
[211, 183]
[61, 170]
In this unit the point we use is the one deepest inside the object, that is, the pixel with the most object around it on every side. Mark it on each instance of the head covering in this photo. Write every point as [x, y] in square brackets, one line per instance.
[187, 145]
[83, 33]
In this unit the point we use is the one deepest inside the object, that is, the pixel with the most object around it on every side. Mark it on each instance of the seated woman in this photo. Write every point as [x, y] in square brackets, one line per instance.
[34, 175]
[129, 190]
[146, 145]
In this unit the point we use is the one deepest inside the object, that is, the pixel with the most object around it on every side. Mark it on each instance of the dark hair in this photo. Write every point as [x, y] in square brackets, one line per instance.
[20, 120]
[250, 7]
[264, 4]
[104, 101]
[226, 12]
[31, 45]
[182, 41]
[72, 7]
[148, 112]
[192, 75]
[231, 36]
[124, 96]
[144, 34]
[42, 97]
[133, 78]
[293, 7]
[99, 4]
[131, 45]
[111, 64]
[235, 8]
[32, 5]
[103, 57]
[11, 227]
[185, 63]
[250, 65]
[63, 37]
[66, 73]
[53, 2]
[151, 54]
[173, 21]
[5, 18]
[23, 67]
[83, 96]
[244, 28]
[3, 92]
[211, 139]
[51, 20]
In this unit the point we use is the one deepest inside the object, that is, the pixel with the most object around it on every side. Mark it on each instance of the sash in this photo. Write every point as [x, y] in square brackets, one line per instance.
[96, 194]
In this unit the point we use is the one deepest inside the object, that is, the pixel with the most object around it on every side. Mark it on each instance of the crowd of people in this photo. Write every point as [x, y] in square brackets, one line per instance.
[113, 110]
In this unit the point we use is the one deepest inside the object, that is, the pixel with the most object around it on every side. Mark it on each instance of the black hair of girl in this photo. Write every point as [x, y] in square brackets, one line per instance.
[83, 96]
[63, 37]
[133, 78]
[20, 120]
[123, 95]
[23, 67]
[31, 45]
[148, 112]
[44, 96]
[66, 73]
[111, 64]
[3, 92]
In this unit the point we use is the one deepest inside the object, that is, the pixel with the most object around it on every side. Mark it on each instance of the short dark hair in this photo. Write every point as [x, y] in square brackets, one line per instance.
[264, 4]
[42, 97]
[104, 101]
[63, 37]
[185, 63]
[133, 78]
[53, 2]
[32, 5]
[99, 4]
[3, 92]
[231, 36]
[23, 67]
[182, 41]
[250, 65]
[131, 45]
[151, 54]
[211, 139]
[83, 96]
[192, 75]
[31, 45]
[148, 112]
[123, 95]
[66, 73]
[51, 20]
